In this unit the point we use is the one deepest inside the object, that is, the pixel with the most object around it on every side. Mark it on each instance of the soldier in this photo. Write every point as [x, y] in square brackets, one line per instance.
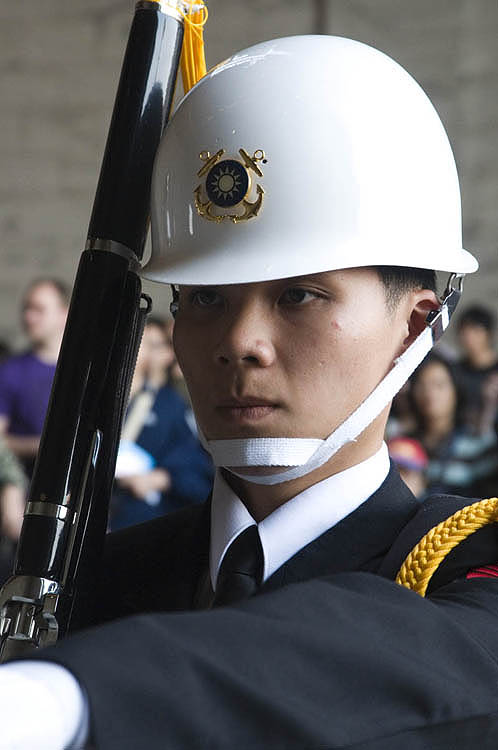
[304, 193]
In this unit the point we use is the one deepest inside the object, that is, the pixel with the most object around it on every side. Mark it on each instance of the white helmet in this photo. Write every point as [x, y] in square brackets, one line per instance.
[297, 156]
[302, 155]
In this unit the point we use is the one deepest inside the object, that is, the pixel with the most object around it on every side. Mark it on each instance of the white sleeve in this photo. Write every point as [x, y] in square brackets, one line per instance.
[41, 706]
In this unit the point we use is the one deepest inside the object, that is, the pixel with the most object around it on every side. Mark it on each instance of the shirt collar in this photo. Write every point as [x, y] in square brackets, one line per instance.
[297, 522]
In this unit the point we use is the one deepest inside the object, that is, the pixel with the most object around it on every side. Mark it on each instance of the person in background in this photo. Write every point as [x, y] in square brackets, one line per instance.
[161, 465]
[5, 350]
[26, 379]
[175, 374]
[401, 421]
[157, 354]
[488, 416]
[411, 461]
[176, 379]
[460, 461]
[479, 362]
[12, 500]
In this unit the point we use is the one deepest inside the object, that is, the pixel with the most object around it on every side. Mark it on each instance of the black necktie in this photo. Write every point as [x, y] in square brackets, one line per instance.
[241, 570]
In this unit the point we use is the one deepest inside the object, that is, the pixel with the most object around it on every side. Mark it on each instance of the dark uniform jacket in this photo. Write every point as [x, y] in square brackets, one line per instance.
[331, 654]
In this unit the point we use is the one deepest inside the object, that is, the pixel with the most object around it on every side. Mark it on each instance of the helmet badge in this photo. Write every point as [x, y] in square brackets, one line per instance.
[228, 186]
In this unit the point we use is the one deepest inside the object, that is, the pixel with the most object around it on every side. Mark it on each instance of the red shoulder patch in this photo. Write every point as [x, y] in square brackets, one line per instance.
[486, 571]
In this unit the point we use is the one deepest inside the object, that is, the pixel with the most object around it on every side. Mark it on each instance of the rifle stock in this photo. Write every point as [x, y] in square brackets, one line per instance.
[65, 521]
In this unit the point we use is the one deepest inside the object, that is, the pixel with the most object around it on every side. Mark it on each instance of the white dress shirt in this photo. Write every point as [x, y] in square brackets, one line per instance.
[300, 520]
[42, 704]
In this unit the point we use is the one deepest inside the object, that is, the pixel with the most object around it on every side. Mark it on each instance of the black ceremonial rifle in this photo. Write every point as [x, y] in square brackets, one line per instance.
[65, 521]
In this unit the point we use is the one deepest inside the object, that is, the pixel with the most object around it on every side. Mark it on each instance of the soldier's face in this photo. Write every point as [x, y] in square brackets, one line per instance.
[286, 358]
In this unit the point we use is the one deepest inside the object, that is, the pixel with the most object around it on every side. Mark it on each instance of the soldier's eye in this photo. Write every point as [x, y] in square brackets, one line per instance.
[205, 297]
[296, 295]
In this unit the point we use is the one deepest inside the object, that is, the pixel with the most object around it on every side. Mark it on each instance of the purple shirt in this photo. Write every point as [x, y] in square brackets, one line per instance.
[25, 383]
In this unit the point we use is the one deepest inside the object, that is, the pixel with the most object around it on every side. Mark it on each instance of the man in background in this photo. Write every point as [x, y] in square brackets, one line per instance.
[478, 366]
[26, 379]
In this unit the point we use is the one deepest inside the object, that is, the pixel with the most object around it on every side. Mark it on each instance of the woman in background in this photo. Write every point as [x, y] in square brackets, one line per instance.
[460, 462]
[161, 465]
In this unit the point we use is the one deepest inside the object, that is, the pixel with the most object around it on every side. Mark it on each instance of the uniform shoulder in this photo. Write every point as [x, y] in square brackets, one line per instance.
[150, 566]
[476, 549]
[147, 540]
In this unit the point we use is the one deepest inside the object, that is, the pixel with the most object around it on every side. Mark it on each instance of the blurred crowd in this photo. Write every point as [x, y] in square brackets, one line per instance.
[442, 432]
[161, 465]
[443, 427]
[25, 385]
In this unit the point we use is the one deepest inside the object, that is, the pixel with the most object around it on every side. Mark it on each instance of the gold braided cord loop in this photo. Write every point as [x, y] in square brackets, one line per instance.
[425, 558]
[193, 60]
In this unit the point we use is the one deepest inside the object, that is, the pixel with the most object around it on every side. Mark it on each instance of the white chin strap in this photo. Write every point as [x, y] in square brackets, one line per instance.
[305, 455]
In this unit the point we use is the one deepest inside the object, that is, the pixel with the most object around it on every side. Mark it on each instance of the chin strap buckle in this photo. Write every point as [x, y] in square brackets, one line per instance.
[173, 307]
[438, 320]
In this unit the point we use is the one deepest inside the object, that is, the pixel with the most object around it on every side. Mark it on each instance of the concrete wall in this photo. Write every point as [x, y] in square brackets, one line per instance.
[59, 65]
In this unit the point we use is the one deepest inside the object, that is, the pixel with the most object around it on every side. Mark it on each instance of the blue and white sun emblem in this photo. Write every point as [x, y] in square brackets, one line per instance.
[227, 183]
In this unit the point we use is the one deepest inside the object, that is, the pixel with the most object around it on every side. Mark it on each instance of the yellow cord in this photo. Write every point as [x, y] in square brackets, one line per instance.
[193, 61]
[425, 558]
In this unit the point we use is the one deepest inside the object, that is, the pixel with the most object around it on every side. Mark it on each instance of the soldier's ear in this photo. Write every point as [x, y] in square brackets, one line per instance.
[418, 305]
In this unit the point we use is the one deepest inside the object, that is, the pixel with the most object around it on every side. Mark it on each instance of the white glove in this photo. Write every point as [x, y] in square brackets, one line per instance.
[41, 706]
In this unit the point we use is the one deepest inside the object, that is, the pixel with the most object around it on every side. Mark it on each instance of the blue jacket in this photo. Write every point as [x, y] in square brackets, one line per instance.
[167, 437]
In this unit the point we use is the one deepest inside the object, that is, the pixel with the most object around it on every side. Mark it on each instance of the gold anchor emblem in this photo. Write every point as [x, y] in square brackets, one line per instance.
[228, 185]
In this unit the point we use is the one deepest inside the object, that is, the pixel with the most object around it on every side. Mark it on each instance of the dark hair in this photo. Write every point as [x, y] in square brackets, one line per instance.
[477, 315]
[398, 280]
[62, 289]
[436, 359]
[155, 320]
